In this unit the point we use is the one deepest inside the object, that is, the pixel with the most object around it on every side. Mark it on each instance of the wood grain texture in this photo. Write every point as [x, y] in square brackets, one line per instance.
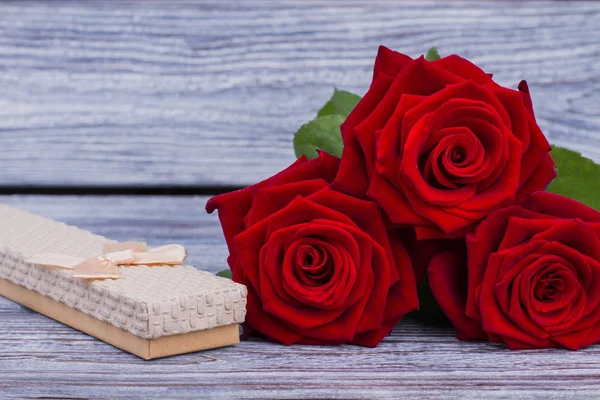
[190, 93]
[40, 358]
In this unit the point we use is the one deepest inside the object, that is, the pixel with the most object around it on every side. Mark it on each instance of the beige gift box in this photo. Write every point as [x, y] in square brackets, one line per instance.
[150, 311]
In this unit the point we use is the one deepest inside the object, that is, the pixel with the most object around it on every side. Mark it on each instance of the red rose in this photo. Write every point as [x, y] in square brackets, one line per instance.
[533, 276]
[438, 145]
[319, 265]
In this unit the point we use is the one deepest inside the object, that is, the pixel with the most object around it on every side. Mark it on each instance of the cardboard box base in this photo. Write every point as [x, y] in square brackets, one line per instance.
[144, 348]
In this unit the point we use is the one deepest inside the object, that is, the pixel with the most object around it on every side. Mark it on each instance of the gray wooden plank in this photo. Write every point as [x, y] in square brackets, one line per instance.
[190, 93]
[40, 358]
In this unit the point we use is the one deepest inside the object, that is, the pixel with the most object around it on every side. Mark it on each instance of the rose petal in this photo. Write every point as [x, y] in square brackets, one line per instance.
[389, 62]
[447, 276]
[464, 68]
[269, 200]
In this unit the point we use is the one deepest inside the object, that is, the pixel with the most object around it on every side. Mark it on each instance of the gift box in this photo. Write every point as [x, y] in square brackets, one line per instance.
[151, 311]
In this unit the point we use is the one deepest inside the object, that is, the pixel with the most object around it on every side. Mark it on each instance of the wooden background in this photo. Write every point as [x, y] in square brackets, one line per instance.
[121, 117]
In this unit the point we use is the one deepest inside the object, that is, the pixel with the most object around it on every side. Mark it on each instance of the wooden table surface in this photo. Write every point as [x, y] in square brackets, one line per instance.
[122, 117]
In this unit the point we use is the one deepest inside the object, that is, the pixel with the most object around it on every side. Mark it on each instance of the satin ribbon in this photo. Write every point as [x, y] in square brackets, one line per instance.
[105, 266]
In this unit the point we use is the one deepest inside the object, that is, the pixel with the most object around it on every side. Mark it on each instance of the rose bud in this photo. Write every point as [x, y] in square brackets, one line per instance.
[532, 278]
[319, 265]
[439, 145]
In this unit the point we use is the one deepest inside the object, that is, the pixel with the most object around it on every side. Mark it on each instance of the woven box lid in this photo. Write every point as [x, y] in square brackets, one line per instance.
[149, 302]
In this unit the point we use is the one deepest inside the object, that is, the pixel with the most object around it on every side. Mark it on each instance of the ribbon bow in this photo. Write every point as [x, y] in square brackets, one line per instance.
[106, 265]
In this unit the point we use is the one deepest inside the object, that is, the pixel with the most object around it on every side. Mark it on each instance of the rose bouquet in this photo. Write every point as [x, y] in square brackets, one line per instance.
[437, 176]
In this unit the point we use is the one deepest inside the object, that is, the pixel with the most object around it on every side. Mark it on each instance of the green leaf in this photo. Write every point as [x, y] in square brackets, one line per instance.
[577, 178]
[432, 54]
[322, 133]
[226, 273]
[342, 102]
